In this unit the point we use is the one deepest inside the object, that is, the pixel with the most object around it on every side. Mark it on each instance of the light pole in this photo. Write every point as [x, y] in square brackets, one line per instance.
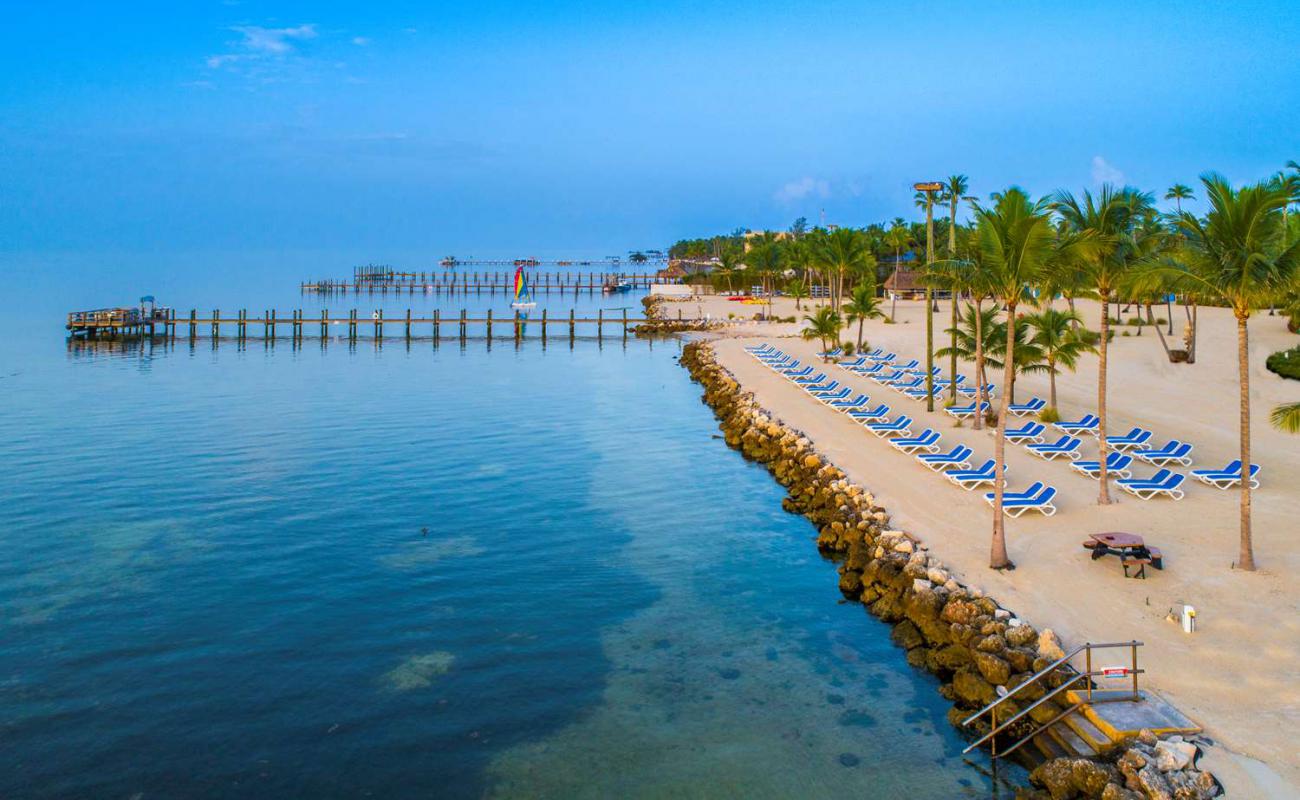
[929, 187]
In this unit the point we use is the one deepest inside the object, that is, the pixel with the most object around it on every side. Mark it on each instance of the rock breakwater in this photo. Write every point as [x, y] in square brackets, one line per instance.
[967, 639]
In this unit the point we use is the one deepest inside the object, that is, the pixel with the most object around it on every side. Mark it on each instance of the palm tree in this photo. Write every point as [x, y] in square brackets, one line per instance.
[862, 306]
[953, 190]
[898, 238]
[1286, 418]
[1107, 222]
[1062, 343]
[1237, 256]
[727, 263]
[840, 252]
[1016, 244]
[823, 324]
[798, 290]
[1178, 193]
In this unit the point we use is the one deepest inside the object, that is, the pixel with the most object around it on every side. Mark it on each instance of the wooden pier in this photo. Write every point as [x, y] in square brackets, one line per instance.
[271, 325]
[479, 282]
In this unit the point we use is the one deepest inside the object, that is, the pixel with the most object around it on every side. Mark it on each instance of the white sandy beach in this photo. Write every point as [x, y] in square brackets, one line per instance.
[1238, 674]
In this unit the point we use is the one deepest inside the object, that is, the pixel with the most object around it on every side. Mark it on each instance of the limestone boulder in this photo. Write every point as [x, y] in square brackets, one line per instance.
[1021, 635]
[994, 669]
[1172, 756]
[1049, 646]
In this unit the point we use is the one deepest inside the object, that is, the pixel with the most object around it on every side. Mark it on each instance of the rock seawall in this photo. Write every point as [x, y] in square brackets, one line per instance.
[660, 324]
[954, 631]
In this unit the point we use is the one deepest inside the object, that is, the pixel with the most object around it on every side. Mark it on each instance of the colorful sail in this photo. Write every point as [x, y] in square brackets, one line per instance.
[523, 297]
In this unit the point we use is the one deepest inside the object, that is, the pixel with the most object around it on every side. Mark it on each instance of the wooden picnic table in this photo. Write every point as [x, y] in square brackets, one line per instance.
[1131, 549]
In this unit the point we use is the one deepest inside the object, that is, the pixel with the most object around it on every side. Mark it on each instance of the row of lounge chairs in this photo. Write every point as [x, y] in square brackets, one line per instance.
[955, 463]
[925, 446]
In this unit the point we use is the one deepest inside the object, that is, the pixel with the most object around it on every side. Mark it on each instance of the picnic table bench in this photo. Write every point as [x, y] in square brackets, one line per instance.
[1133, 552]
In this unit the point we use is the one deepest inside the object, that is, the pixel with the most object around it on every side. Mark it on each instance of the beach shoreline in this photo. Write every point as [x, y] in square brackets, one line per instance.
[1233, 676]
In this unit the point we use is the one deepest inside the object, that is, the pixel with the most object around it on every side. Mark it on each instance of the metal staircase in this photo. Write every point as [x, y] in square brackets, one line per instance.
[1092, 719]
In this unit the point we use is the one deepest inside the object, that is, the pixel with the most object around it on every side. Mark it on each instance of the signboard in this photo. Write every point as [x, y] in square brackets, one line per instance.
[1116, 672]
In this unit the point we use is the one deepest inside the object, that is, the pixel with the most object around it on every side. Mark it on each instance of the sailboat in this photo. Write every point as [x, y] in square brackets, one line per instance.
[523, 295]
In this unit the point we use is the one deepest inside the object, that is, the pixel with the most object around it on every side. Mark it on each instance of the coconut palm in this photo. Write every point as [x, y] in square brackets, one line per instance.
[1016, 244]
[840, 252]
[1178, 193]
[798, 290]
[727, 264]
[1237, 256]
[823, 324]
[1107, 222]
[898, 238]
[954, 188]
[1286, 418]
[862, 306]
[1061, 341]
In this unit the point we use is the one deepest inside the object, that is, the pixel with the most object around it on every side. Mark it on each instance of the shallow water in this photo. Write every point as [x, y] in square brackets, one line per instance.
[268, 571]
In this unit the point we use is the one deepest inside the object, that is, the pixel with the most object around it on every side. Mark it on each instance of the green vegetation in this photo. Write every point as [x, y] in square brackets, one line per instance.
[1285, 363]
[1286, 418]
[823, 324]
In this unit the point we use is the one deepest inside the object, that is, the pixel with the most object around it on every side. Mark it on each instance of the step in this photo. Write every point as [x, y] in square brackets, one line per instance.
[1050, 747]
[1114, 715]
[1071, 740]
[1094, 738]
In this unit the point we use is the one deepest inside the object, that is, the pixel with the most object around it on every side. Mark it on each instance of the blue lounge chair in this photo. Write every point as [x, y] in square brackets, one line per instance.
[1032, 406]
[874, 353]
[1227, 477]
[830, 397]
[775, 355]
[971, 391]
[870, 415]
[882, 358]
[913, 364]
[1086, 424]
[903, 385]
[1067, 446]
[869, 370]
[964, 412]
[1117, 466]
[927, 440]
[808, 380]
[900, 426]
[919, 392]
[824, 386]
[1163, 482]
[796, 373]
[884, 376]
[831, 353]
[844, 405]
[1134, 438]
[1037, 497]
[857, 362]
[1173, 452]
[785, 363]
[759, 349]
[1029, 433]
[956, 458]
[968, 479]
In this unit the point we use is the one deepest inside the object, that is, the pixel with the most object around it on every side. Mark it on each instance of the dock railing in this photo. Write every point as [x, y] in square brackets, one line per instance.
[1071, 679]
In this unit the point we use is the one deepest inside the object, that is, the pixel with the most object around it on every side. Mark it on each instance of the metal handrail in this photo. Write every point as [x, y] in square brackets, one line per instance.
[1063, 661]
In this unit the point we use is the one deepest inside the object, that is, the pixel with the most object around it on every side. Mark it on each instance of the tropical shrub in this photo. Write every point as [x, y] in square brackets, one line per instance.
[1285, 363]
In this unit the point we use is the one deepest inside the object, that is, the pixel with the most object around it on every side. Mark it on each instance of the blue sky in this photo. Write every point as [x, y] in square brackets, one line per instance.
[501, 128]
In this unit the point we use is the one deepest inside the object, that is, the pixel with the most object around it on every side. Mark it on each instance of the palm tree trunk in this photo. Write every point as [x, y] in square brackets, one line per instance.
[1246, 559]
[979, 366]
[1069, 301]
[860, 321]
[998, 552]
[1151, 318]
[1051, 392]
[1104, 497]
[952, 361]
[1191, 355]
[893, 306]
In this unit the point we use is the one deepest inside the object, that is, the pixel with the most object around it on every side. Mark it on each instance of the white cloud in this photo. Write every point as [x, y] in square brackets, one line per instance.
[1105, 172]
[276, 41]
[803, 188]
[360, 41]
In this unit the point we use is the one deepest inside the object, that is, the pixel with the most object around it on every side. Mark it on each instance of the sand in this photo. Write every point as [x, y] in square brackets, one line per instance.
[1237, 675]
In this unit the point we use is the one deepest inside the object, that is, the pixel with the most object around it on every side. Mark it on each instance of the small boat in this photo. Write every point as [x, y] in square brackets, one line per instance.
[523, 295]
[614, 286]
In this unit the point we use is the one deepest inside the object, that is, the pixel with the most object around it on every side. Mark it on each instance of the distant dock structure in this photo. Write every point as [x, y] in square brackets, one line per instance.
[141, 320]
[384, 279]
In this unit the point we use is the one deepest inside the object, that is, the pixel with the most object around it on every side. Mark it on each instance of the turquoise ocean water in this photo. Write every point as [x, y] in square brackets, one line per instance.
[416, 571]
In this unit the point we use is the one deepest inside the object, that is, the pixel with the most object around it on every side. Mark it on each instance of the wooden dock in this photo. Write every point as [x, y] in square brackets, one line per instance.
[298, 326]
[479, 282]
